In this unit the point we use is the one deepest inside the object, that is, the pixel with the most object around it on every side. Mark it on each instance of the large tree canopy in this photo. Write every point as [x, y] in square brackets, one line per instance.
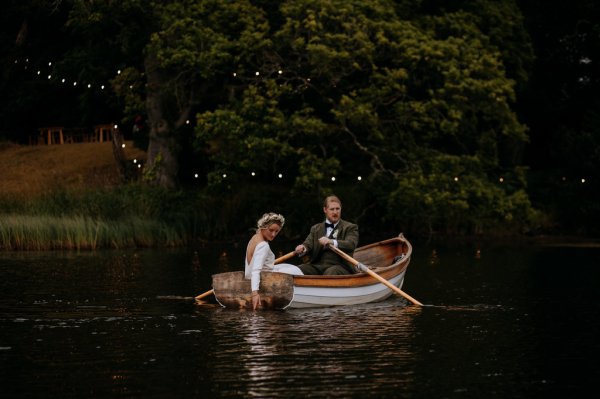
[419, 103]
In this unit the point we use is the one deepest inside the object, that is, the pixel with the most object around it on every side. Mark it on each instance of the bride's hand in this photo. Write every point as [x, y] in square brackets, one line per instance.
[255, 300]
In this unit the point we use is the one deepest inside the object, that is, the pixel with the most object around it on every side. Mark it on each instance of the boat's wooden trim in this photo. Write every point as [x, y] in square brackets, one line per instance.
[352, 280]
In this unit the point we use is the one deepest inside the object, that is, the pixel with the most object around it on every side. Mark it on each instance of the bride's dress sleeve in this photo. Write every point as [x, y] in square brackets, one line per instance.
[256, 264]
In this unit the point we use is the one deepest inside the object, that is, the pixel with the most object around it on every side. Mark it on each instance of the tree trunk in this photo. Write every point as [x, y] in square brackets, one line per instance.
[163, 149]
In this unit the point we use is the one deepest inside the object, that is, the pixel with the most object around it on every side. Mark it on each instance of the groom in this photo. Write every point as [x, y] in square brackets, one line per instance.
[336, 232]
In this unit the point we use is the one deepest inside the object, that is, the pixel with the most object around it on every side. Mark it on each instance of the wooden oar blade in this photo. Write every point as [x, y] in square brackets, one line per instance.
[176, 297]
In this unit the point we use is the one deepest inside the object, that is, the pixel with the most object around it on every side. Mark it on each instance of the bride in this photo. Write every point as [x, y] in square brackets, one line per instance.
[259, 255]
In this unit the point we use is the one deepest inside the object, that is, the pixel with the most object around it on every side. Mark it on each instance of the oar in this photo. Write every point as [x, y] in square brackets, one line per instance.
[207, 293]
[278, 260]
[285, 257]
[364, 268]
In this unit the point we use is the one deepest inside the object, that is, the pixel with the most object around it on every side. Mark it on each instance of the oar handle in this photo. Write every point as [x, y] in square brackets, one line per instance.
[207, 293]
[285, 257]
[364, 268]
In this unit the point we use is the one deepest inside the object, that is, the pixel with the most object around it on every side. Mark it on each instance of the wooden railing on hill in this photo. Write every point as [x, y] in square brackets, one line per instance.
[101, 134]
[61, 135]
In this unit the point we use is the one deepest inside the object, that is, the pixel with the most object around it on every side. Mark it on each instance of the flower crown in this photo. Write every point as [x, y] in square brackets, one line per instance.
[268, 219]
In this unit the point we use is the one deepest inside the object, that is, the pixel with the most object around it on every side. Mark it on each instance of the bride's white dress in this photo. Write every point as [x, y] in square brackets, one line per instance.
[264, 259]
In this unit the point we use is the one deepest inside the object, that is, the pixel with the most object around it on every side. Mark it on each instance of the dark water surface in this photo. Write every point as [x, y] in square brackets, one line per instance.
[506, 322]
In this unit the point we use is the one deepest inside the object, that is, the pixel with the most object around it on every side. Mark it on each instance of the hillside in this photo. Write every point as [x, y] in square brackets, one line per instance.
[33, 170]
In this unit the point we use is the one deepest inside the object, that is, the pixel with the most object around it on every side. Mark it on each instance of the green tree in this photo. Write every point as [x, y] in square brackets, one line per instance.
[416, 98]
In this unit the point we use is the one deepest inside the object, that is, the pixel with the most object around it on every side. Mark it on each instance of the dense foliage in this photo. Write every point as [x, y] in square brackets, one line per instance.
[418, 105]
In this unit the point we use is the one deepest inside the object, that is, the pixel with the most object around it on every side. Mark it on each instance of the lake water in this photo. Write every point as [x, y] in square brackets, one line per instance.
[503, 322]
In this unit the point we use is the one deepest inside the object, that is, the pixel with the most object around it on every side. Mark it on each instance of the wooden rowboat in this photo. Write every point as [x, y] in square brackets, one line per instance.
[389, 259]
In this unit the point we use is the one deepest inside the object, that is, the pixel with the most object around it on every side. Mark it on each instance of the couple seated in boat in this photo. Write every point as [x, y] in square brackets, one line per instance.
[334, 232]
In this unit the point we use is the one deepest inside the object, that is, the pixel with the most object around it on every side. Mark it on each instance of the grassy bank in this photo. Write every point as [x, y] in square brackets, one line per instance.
[71, 197]
[31, 171]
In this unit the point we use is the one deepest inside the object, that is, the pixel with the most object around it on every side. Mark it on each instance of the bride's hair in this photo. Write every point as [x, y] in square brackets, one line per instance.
[268, 219]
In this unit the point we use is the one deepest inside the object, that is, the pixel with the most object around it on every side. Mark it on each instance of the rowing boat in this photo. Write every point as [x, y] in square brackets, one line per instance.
[389, 259]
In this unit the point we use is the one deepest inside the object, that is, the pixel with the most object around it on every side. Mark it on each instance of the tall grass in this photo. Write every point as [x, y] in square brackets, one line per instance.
[141, 216]
[21, 232]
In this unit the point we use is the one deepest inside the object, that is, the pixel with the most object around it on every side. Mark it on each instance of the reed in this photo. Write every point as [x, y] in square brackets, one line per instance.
[135, 215]
[23, 232]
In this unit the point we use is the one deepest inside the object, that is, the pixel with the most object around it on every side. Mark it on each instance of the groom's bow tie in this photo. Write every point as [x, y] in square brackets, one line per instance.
[328, 225]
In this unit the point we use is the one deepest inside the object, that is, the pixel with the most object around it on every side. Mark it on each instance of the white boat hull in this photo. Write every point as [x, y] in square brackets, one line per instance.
[312, 297]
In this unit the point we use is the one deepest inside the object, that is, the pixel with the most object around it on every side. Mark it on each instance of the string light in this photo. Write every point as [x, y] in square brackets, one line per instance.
[359, 178]
[455, 178]
[119, 72]
[332, 178]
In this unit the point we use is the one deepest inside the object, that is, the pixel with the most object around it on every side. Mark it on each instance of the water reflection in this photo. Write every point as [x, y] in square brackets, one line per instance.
[349, 350]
